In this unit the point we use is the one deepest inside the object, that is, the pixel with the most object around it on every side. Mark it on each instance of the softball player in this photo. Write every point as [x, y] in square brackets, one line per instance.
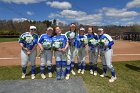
[80, 43]
[45, 44]
[106, 53]
[60, 45]
[28, 43]
[71, 50]
[93, 50]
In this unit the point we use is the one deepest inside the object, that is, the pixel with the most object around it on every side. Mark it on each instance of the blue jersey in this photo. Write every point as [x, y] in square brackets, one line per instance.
[77, 41]
[61, 38]
[33, 42]
[108, 38]
[45, 39]
[91, 36]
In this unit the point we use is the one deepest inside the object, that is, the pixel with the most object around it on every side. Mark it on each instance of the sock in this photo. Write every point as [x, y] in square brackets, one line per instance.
[33, 69]
[63, 72]
[95, 67]
[72, 65]
[58, 69]
[42, 69]
[105, 68]
[24, 70]
[83, 65]
[90, 65]
[49, 69]
[68, 69]
[113, 72]
[79, 65]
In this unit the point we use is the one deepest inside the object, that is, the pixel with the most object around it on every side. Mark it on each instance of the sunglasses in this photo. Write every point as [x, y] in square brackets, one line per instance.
[33, 29]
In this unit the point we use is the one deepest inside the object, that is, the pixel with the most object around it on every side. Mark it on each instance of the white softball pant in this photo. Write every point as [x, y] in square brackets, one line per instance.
[46, 58]
[25, 58]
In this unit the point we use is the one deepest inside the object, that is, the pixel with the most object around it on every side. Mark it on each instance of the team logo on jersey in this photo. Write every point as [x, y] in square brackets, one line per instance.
[71, 35]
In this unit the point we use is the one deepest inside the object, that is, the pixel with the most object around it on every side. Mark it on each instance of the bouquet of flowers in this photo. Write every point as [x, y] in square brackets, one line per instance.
[46, 45]
[93, 41]
[71, 35]
[57, 44]
[103, 42]
[28, 38]
[84, 40]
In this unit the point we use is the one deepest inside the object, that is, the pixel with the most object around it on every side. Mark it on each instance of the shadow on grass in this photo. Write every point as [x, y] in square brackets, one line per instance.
[46, 70]
[135, 68]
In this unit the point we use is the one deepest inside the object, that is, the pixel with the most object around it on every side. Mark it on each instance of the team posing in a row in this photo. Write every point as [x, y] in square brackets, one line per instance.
[66, 47]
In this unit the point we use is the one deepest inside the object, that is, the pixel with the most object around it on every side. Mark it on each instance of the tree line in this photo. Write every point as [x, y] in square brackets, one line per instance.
[15, 28]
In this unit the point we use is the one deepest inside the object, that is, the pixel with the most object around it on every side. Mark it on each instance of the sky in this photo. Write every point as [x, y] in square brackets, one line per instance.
[88, 12]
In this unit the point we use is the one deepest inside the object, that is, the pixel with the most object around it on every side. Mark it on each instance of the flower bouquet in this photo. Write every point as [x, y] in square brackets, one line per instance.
[71, 35]
[56, 45]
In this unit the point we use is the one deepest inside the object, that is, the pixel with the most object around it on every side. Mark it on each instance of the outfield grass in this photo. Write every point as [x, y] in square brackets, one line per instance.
[128, 78]
[8, 39]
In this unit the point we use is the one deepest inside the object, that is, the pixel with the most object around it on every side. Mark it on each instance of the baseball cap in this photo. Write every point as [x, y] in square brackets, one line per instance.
[83, 29]
[100, 29]
[49, 28]
[32, 27]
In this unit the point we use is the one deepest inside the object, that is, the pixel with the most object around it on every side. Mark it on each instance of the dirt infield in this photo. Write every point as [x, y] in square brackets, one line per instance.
[122, 51]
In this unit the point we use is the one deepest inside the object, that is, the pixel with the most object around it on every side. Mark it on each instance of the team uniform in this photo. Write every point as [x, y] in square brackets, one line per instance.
[24, 56]
[46, 54]
[60, 57]
[71, 53]
[93, 53]
[81, 51]
[106, 54]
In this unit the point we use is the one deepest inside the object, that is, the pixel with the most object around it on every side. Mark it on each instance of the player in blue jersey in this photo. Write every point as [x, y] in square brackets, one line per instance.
[71, 53]
[45, 45]
[93, 50]
[28, 42]
[60, 45]
[106, 42]
[80, 43]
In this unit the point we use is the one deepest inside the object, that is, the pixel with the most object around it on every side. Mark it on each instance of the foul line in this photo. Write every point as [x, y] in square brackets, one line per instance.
[53, 57]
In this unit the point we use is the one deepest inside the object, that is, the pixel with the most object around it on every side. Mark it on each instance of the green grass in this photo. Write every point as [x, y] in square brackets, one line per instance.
[8, 39]
[128, 78]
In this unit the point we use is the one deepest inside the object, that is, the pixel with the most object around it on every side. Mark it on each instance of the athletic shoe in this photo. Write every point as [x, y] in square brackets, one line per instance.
[50, 75]
[33, 76]
[91, 72]
[83, 71]
[112, 79]
[23, 75]
[103, 75]
[67, 76]
[43, 76]
[95, 73]
[79, 70]
[73, 73]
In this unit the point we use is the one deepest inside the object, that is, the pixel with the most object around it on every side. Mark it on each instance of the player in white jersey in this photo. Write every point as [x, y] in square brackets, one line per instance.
[28, 43]
[105, 43]
[71, 35]
[45, 45]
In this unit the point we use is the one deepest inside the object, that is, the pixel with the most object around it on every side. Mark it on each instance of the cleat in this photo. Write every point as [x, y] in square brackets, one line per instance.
[112, 79]
[43, 76]
[79, 70]
[91, 72]
[73, 73]
[33, 76]
[95, 73]
[23, 75]
[103, 75]
[83, 71]
[50, 75]
[67, 76]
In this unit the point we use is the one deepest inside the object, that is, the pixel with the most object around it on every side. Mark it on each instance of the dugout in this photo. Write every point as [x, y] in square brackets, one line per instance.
[134, 36]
